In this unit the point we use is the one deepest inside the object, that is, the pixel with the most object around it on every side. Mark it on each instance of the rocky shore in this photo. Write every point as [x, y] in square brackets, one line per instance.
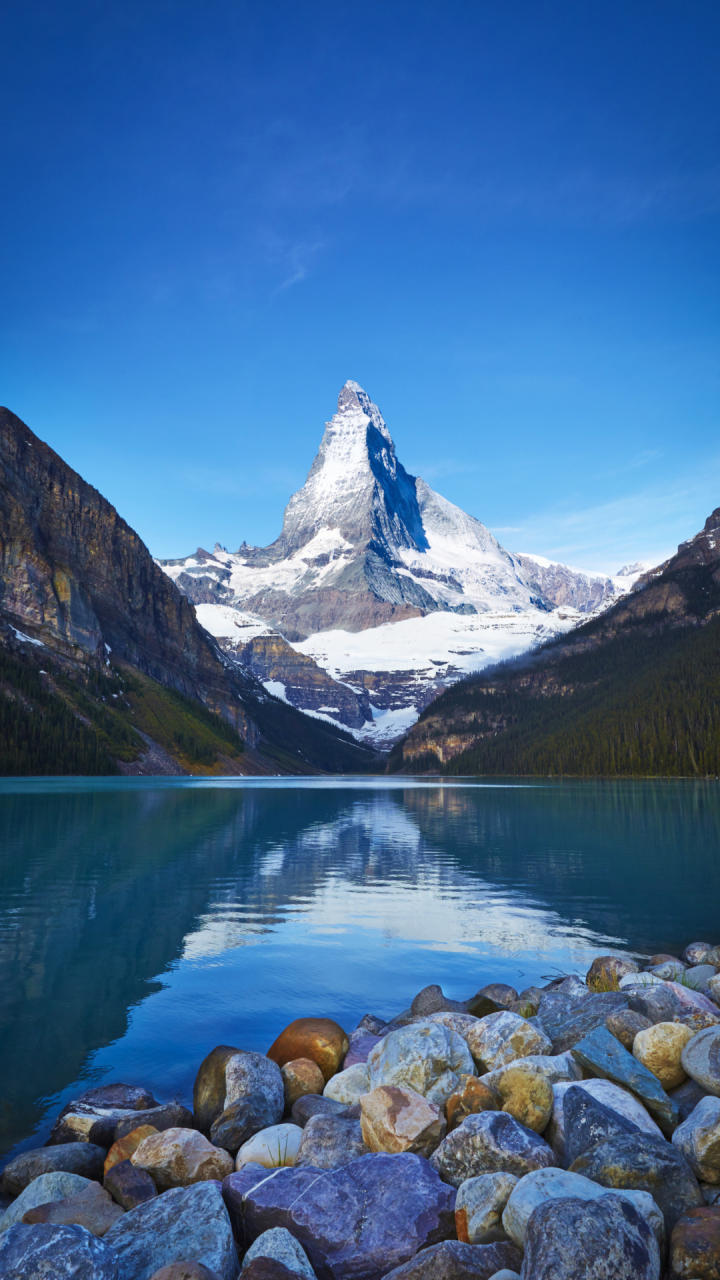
[565, 1132]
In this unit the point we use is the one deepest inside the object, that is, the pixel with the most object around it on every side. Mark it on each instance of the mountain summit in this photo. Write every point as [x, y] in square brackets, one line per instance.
[365, 549]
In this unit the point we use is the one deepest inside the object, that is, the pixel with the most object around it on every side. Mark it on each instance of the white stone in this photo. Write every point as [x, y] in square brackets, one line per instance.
[424, 1056]
[500, 1038]
[350, 1085]
[272, 1147]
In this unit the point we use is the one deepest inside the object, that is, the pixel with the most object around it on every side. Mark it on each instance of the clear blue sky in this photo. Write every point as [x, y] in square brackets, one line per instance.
[501, 217]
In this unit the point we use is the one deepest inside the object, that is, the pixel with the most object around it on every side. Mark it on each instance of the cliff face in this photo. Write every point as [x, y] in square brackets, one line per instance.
[636, 690]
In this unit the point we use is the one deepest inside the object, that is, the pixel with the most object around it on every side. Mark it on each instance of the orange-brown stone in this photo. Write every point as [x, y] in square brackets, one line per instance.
[125, 1147]
[320, 1039]
[695, 1245]
[300, 1077]
[473, 1097]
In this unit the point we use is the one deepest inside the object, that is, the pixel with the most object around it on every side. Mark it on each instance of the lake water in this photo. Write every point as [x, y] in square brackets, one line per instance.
[143, 921]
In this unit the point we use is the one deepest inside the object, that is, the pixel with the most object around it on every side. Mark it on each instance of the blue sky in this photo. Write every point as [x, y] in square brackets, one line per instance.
[501, 218]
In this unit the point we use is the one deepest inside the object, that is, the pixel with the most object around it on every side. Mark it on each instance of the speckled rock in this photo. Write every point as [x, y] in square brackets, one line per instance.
[358, 1221]
[183, 1224]
[210, 1089]
[473, 1095]
[713, 957]
[713, 988]
[695, 1245]
[46, 1252]
[399, 1119]
[314, 1104]
[184, 1271]
[687, 1095]
[552, 1067]
[424, 1056]
[610, 1095]
[527, 1096]
[271, 1148]
[268, 1269]
[103, 1115]
[670, 969]
[659, 1048]
[320, 1039]
[588, 1121]
[625, 1024]
[601, 1054]
[301, 1076]
[500, 1038]
[701, 1059]
[698, 1138]
[250, 1074]
[498, 993]
[70, 1157]
[609, 1235]
[491, 1142]
[241, 1120]
[92, 1208]
[570, 1011]
[328, 1142]
[180, 1157]
[560, 1184]
[642, 1163]
[454, 1260]
[129, 1186]
[479, 1207]
[43, 1189]
[127, 1146]
[348, 1086]
[605, 972]
[281, 1246]
[460, 1022]
[432, 999]
[695, 952]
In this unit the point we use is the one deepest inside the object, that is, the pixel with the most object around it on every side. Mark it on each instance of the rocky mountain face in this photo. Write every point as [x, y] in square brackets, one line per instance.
[634, 690]
[77, 582]
[381, 583]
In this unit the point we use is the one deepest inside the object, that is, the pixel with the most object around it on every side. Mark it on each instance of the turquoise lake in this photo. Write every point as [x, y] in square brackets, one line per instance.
[143, 921]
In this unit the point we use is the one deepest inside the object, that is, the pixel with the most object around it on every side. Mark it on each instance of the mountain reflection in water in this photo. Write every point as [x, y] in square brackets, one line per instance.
[144, 920]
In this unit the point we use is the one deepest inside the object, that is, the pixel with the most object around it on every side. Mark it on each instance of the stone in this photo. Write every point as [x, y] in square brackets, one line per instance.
[695, 952]
[491, 1142]
[645, 979]
[552, 1067]
[361, 1220]
[241, 1120]
[602, 1055]
[455, 1260]
[349, 1086]
[500, 1038]
[184, 1224]
[670, 969]
[473, 1095]
[610, 1095]
[127, 1146]
[505, 1274]
[566, 1022]
[110, 1112]
[712, 988]
[457, 1021]
[701, 1059]
[588, 1121]
[301, 1076]
[320, 1039]
[640, 1162]
[46, 1252]
[656, 1003]
[559, 1184]
[361, 1043]
[698, 1138]
[399, 1119]
[271, 1148]
[268, 1269]
[431, 1000]
[687, 1096]
[129, 1186]
[180, 1157]
[184, 1271]
[689, 1001]
[171, 1115]
[625, 1024]
[609, 1235]
[250, 1074]
[498, 994]
[695, 1245]
[700, 976]
[659, 1048]
[277, 1243]
[330, 1141]
[43, 1189]
[313, 1104]
[527, 1096]
[713, 957]
[605, 972]
[92, 1208]
[70, 1157]
[209, 1089]
[425, 1056]
[479, 1207]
